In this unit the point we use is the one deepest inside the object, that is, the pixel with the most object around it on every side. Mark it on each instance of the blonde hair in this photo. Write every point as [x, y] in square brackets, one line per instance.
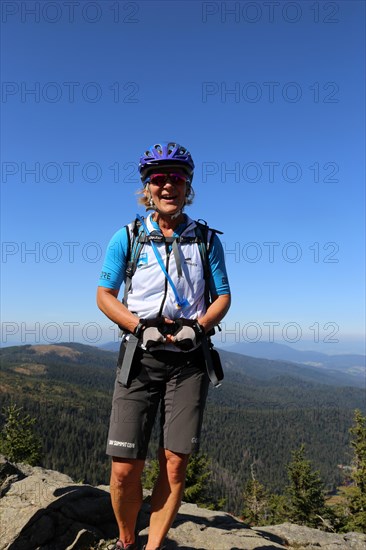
[145, 196]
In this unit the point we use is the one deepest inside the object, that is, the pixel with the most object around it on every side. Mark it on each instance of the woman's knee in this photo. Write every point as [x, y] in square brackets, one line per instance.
[126, 470]
[176, 465]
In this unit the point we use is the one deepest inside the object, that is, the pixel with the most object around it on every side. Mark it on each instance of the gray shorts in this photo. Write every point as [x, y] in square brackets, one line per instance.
[179, 382]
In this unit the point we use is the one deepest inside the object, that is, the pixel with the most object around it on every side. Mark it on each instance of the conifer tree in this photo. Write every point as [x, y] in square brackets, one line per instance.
[277, 509]
[255, 501]
[18, 441]
[197, 477]
[356, 493]
[305, 491]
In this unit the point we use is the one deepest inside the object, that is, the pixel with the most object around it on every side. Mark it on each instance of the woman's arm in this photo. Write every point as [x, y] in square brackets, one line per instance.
[216, 311]
[219, 287]
[108, 302]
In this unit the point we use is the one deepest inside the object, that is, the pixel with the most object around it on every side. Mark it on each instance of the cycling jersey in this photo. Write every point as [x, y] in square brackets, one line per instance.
[150, 295]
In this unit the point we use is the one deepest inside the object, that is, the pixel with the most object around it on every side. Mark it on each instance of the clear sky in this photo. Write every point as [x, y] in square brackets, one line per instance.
[268, 97]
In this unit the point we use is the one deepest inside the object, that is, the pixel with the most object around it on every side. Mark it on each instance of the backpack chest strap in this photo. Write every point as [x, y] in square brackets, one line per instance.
[159, 238]
[156, 238]
[139, 238]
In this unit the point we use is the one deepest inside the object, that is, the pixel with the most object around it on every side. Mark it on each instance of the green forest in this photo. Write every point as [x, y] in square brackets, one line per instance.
[249, 422]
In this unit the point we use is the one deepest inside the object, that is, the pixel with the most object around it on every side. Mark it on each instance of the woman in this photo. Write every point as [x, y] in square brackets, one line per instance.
[165, 317]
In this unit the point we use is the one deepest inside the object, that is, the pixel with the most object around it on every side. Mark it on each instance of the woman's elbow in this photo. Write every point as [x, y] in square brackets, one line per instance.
[228, 302]
[101, 297]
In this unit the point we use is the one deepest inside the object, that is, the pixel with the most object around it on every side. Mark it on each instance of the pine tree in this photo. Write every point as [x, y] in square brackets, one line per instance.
[255, 501]
[197, 477]
[18, 442]
[356, 493]
[305, 491]
[277, 509]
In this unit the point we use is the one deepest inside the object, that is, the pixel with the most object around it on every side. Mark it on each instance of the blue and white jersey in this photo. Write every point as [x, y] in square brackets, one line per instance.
[150, 293]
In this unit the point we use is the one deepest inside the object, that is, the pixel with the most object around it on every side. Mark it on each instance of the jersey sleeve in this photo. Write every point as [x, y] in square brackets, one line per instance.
[114, 265]
[219, 283]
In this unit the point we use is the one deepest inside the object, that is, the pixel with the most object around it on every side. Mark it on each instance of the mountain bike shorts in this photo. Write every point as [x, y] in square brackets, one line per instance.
[178, 381]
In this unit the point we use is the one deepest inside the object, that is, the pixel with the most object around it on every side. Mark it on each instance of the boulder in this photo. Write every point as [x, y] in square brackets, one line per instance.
[44, 509]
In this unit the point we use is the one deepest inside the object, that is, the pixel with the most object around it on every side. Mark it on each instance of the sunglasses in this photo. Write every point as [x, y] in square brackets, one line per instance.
[161, 179]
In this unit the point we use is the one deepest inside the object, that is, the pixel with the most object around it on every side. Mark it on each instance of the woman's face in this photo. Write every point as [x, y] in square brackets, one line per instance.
[168, 190]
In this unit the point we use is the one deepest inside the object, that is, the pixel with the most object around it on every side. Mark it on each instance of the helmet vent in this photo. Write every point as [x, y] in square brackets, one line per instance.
[166, 154]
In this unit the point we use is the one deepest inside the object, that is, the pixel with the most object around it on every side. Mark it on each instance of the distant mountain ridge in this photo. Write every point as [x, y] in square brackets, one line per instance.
[273, 350]
[350, 364]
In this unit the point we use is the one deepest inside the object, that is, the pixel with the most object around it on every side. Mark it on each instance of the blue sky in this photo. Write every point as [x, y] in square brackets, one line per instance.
[268, 97]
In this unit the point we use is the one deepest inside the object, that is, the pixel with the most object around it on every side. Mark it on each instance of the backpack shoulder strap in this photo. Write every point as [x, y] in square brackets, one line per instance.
[202, 231]
[134, 250]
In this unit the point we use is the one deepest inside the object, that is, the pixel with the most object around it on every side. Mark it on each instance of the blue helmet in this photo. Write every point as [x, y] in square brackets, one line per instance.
[164, 155]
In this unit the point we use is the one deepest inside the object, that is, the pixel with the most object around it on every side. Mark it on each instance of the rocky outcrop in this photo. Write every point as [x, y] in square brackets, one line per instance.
[301, 537]
[45, 510]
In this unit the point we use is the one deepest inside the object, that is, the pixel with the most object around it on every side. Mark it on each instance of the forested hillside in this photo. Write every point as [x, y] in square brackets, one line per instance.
[263, 410]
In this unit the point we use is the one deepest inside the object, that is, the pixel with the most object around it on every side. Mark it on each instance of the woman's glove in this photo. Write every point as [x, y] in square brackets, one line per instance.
[188, 334]
[150, 331]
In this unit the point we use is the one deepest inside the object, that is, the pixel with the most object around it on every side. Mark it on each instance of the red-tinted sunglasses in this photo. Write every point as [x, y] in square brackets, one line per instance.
[161, 179]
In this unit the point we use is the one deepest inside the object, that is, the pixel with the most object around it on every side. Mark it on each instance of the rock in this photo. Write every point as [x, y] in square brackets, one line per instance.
[9, 473]
[45, 510]
[301, 537]
[201, 529]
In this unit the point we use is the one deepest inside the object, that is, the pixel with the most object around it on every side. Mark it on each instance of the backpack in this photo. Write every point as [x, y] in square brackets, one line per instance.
[140, 238]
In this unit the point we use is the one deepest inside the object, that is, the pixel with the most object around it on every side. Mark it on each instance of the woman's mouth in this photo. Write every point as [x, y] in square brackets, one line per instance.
[168, 197]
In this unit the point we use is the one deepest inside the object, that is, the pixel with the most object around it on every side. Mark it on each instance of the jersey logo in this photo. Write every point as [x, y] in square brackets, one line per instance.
[142, 260]
[189, 261]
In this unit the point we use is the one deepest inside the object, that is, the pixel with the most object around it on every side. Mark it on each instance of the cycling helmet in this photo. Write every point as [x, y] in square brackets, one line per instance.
[165, 155]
